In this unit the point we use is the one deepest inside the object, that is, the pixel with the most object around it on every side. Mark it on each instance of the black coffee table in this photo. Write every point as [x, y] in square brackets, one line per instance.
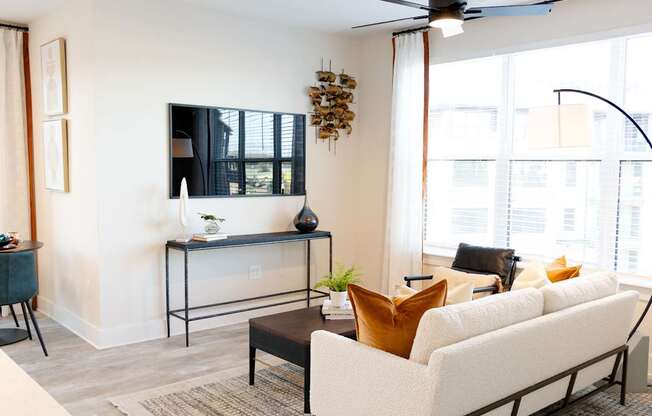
[287, 336]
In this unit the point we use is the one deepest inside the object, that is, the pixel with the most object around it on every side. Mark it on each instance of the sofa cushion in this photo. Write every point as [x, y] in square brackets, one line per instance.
[583, 289]
[452, 324]
[390, 324]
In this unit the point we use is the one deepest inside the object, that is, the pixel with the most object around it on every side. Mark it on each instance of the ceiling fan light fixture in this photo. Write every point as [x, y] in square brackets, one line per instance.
[448, 20]
[452, 30]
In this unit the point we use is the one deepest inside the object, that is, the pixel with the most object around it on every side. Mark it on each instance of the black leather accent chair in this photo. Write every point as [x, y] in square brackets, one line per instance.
[481, 260]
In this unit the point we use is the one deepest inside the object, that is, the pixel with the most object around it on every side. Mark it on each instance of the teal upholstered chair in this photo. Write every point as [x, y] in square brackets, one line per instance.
[18, 285]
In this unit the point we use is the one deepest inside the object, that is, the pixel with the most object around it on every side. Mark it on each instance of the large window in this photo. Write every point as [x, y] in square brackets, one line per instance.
[485, 186]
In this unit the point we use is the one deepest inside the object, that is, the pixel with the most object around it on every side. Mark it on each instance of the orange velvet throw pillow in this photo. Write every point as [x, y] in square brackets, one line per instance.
[391, 324]
[559, 270]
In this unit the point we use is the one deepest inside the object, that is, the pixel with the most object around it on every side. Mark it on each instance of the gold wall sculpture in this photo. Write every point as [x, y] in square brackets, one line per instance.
[331, 99]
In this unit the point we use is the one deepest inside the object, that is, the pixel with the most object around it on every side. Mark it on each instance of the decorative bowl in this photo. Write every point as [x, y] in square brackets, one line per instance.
[5, 240]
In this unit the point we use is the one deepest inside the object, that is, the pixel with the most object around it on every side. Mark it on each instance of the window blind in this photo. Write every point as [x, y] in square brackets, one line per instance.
[485, 186]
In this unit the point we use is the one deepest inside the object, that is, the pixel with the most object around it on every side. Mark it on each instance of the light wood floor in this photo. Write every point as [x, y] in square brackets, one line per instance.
[81, 378]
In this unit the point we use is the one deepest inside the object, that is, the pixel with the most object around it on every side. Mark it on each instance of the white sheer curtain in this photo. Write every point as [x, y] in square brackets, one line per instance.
[14, 184]
[404, 230]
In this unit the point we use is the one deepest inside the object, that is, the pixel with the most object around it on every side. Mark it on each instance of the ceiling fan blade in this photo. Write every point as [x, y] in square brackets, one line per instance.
[522, 10]
[391, 21]
[410, 4]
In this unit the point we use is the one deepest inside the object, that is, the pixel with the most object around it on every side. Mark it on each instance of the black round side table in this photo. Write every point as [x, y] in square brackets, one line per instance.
[13, 335]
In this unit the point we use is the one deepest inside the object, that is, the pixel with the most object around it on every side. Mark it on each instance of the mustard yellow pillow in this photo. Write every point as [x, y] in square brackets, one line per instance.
[559, 270]
[391, 324]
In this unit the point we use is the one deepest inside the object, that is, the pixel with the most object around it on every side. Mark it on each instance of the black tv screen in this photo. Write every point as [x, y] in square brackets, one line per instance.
[226, 152]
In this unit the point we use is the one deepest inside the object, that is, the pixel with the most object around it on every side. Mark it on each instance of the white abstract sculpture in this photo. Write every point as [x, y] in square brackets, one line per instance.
[184, 206]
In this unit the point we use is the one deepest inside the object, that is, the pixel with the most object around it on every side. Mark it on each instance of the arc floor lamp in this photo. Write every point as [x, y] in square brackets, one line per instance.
[571, 125]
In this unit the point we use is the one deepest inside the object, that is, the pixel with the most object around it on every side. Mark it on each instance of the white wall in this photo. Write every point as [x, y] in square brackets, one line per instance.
[68, 222]
[375, 121]
[147, 54]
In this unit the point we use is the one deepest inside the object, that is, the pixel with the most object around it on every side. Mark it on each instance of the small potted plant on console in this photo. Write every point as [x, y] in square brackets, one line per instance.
[337, 283]
[211, 223]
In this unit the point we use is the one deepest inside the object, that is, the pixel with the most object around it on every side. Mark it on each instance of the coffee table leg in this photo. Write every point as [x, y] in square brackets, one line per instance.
[252, 364]
[306, 384]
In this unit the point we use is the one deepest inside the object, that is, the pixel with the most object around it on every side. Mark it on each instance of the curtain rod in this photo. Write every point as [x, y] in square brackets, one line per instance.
[416, 29]
[14, 27]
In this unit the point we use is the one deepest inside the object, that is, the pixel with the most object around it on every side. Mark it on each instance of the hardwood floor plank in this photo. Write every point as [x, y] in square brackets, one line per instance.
[82, 378]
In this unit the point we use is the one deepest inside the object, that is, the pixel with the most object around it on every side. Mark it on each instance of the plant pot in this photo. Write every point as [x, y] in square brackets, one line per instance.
[211, 227]
[338, 299]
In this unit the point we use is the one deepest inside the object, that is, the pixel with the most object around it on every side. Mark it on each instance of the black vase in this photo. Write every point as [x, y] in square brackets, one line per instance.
[306, 220]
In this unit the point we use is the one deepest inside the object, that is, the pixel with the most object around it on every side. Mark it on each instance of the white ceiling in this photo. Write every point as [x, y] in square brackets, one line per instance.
[24, 11]
[332, 16]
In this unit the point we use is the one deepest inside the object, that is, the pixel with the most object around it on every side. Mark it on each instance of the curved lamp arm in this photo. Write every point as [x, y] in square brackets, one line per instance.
[201, 165]
[647, 139]
[611, 103]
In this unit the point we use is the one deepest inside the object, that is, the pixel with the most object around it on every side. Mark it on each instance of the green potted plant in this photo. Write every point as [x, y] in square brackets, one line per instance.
[337, 283]
[211, 223]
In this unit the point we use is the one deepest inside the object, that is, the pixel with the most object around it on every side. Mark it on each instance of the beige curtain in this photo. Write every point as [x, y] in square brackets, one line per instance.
[14, 182]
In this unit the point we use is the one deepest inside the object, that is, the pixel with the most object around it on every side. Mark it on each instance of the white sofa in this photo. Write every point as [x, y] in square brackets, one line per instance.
[471, 355]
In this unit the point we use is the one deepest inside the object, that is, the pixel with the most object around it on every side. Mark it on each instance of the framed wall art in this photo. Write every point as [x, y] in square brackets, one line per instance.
[53, 77]
[55, 152]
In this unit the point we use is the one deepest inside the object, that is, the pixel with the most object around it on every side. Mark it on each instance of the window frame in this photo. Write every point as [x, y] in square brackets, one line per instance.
[610, 155]
[242, 160]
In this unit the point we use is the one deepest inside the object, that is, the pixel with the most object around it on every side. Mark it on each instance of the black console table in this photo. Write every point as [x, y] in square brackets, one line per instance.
[240, 241]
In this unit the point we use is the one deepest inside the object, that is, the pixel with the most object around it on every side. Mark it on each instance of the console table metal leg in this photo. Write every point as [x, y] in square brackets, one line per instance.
[167, 288]
[308, 274]
[330, 254]
[185, 288]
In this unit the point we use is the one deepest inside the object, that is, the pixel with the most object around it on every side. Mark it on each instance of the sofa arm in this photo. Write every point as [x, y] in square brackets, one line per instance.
[350, 378]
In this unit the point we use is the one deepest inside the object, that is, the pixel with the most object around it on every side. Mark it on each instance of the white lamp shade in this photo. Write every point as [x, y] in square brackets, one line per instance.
[182, 148]
[452, 30]
[568, 125]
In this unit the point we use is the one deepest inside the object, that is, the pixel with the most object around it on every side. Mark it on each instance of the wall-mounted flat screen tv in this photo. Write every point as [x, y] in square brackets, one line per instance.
[227, 152]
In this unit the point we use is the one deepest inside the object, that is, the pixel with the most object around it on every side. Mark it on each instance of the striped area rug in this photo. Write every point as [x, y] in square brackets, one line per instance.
[279, 392]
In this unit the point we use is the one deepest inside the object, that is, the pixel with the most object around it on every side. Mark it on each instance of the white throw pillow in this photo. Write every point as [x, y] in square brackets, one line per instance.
[456, 278]
[585, 288]
[440, 327]
[533, 275]
[460, 293]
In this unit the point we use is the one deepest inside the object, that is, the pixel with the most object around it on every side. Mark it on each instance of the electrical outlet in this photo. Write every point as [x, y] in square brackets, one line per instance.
[255, 272]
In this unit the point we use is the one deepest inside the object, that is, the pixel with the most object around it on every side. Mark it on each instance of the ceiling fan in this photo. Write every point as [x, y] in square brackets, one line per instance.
[449, 15]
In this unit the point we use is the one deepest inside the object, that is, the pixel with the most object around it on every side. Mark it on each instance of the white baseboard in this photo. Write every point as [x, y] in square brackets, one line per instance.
[103, 338]
[68, 319]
